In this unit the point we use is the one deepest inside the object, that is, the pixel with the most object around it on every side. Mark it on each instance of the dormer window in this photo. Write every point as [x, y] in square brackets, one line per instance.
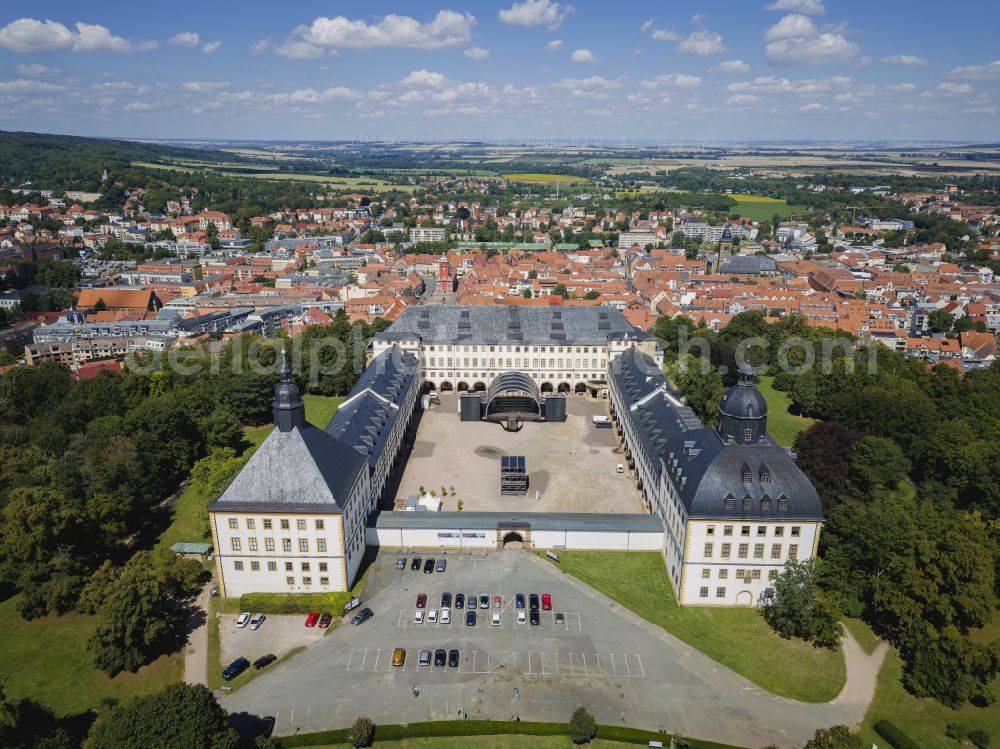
[765, 475]
[748, 434]
[747, 476]
[730, 502]
[747, 503]
[782, 503]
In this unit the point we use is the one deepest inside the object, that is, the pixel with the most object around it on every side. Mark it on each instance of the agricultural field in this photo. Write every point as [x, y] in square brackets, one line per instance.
[350, 183]
[563, 179]
[760, 208]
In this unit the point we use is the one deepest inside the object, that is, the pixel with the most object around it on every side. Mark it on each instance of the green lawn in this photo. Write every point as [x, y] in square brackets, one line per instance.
[866, 638]
[924, 720]
[47, 660]
[736, 637]
[783, 425]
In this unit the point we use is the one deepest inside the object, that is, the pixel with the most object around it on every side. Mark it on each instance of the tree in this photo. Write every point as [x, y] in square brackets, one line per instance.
[876, 463]
[181, 716]
[560, 290]
[700, 384]
[25, 724]
[940, 321]
[582, 726]
[592, 294]
[140, 615]
[795, 610]
[526, 293]
[362, 732]
[837, 737]
[824, 454]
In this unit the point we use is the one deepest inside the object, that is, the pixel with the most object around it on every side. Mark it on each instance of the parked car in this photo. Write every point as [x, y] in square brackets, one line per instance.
[432, 616]
[546, 602]
[421, 600]
[497, 602]
[267, 726]
[264, 660]
[425, 658]
[362, 616]
[452, 659]
[496, 618]
[400, 563]
[324, 620]
[560, 618]
[256, 620]
[533, 601]
[519, 600]
[484, 601]
[620, 468]
[534, 617]
[446, 600]
[446, 616]
[470, 618]
[415, 564]
[460, 600]
[521, 618]
[440, 656]
[398, 657]
[418, 616]
[312, 619]
[470, 600]
[442, 564]
[428, 566]
[235, 668]
[243, 619]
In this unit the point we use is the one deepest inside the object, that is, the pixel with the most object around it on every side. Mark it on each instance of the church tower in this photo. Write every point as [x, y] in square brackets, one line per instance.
[288, 409]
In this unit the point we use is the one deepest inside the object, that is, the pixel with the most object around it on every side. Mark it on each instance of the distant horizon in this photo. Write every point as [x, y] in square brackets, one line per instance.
[703, 70]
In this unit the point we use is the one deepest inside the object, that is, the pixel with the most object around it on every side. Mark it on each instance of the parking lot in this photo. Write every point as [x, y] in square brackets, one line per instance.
[600, 655]
[278, 635]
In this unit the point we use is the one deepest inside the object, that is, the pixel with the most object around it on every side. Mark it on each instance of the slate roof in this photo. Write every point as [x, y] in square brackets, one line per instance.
[301, 470]
[552, 325]
[749, 265]
[705, 469]
[539, 521]
[365, 419]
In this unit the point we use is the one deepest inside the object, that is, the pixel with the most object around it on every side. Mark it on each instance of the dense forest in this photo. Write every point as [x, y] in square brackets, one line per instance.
[904, 459]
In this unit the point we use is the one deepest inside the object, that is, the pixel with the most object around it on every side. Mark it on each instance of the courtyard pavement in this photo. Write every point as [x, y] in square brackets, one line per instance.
[602, 656]
[572, 465]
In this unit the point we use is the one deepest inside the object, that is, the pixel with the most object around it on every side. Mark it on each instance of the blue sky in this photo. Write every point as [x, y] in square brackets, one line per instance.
[711, 70]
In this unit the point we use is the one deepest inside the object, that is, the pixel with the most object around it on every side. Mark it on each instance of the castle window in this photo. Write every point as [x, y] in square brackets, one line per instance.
[748, 434]
[747, 476]
[730, 503]
[765, 476]
[747, 503]
[765, 504]
[782, 503]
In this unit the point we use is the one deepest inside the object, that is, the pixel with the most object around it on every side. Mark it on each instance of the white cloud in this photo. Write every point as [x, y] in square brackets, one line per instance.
[185, 39]
[24, 86]
[769, 84]
[202, 86]
[702, 43]
[423, 79]
[32, 35]
[954, 89]
[904, 60]
[901, 87]
[260, 47]
[138, 106]
[583, 55]
[147, 45]
[211, 47]
[447, 29]
[825, 49]
[536, 13]
[792, 26]
[661, 35]
[554, 46]
[299, 50]
[35, 70]
[978, 72]
[737, 100]
[735, 67]
[476, 53]
[809, 7]
[672, 80]
[812, 107]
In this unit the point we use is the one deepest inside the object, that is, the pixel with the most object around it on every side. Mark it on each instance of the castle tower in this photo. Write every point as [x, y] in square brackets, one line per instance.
[288, 409]
[743, 411]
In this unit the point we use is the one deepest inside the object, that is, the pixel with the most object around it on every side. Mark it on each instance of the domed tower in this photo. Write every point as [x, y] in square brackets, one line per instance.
[288, 409]
[743, 411]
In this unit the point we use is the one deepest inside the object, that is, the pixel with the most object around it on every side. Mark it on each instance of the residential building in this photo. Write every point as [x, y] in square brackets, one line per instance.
[421, 234]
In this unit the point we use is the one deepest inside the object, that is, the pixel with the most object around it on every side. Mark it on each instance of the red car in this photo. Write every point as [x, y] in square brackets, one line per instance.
[546, 602]
[421, 600]
[312, 619]
[324, 621]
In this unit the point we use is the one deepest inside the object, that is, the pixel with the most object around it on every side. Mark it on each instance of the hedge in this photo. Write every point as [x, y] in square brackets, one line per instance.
[888, 731]
[443, 728]
[295, 603]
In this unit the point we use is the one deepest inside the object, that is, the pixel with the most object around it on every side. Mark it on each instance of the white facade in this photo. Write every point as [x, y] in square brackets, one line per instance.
[421, 234]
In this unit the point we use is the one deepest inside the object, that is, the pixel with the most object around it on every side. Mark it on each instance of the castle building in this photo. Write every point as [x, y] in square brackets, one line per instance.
[734, 505]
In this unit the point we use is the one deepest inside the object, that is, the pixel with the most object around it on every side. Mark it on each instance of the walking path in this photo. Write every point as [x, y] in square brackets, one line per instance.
[196, 652]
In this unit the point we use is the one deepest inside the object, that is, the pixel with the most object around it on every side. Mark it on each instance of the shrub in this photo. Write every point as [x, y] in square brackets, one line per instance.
[888, 731]
[582, 726]
[956, 731]
[362, 733]
[979, 738]
[294, 603]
